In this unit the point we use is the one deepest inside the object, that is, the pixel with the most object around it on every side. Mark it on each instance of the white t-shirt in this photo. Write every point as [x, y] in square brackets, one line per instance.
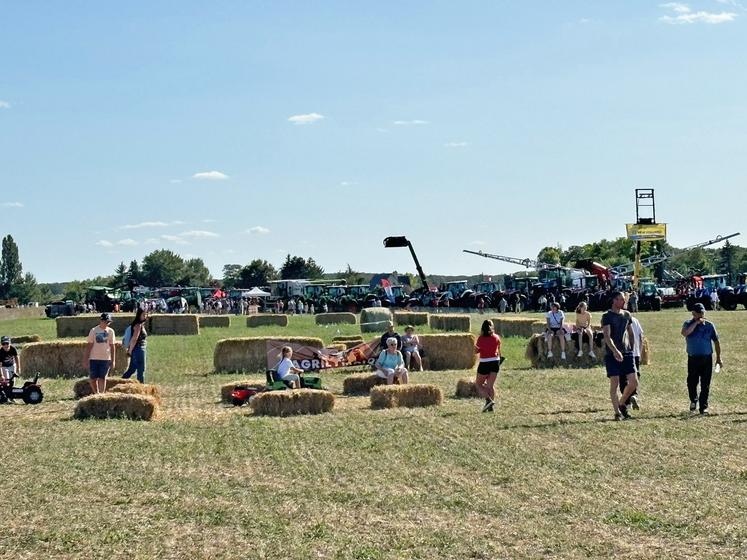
[284, 367]
[714, 296]
[102, 339]
[556, 319]
[637, 337]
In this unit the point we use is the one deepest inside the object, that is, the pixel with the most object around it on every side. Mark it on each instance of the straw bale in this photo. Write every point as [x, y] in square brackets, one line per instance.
[335, 318]
[393, 396]
[536, 353]
[80, 325]
[63, 358]
[249, 353]
[117, 405]
[138, 389]
[264, 319]
[525, 327]
[348, 341]
[645, 352]
[25, 339]
[361, 384]
[215, 321]
[411, 318]
[375, 327]
[82, 387]
[179, 324]
[450, 322]
[339, 346]
[228, 388]
[291, 402]
[448, 351]
[375, 314]
[466, 389]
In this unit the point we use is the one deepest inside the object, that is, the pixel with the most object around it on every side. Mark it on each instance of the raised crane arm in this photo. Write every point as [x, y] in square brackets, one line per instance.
[529, 263]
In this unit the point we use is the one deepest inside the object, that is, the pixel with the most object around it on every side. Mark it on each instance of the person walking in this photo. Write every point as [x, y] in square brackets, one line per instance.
[488, 346]
[618, 360]
[634, 399]
[99, 357]
[701, 337]
[136, 347]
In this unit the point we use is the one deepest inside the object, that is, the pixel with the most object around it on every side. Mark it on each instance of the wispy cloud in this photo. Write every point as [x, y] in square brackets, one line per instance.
[411, 123]
[198, 234]
[456, 144]
[4, 104]
[121, 243]
[258, 230]
[308, 118]
[127, 242]
[157, 224]
[683, 15]
[104, 243]
[174, 239]
[12, 204]
[210, 176]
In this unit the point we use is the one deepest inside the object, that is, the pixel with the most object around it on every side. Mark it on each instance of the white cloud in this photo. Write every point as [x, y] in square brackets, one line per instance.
[151, 241]
[12, 204]
[157, 224]
[683, 15]
[174, 239]
[210, 176]
[258, 230]
[412, 122]
[197, 233]
[127, 242]
[308, 118]
[104, 243]
[456, 144]
[4, 104]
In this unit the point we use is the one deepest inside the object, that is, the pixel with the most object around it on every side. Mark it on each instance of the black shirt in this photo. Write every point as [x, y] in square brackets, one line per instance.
[386, 335]
[7, 356]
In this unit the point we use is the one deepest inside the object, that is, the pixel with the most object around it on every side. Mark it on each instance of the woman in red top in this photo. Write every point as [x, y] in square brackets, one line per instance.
[488, 346]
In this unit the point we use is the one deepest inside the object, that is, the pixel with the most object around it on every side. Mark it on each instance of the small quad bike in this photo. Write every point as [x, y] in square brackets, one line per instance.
[30, 392]
[244, 393]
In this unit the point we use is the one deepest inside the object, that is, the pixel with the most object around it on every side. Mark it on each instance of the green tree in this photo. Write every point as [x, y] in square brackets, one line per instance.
[162, 268]
[120, 274]
[726, 262]
[293, 268]
[10, 266]
[231, 275]
[257, 273]
[313, 270]
[195, 273]
[549, 255]
[26, 289]
[75, 291]
[134, 273]
[352, 277]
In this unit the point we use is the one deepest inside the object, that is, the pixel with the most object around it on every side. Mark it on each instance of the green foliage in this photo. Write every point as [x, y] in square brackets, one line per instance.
[549, 255]
[120, 274]
[257, 273]
[26, 290]
[195, 273]
[231, 275]
[10, 266]
[162, 268]
[134, 273]
[298, 267]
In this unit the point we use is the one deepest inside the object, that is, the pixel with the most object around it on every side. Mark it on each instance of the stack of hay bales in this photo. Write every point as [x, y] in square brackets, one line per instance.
[339, 346]
[117, 405]
[361, 384]
[80, 325]
[138, 389]
[348, 341]
[250, 353]
[291, 402]
[228, 388]
[174, 324]
[410, 396]
[524, 327]
[265, 319]
[450, 322]
[375, 319]
[25, 339]
[82, 387]
[466, 389]
[448, 351]
[335, 318]
[215, 321]
[536, 353]
[63, 358]
[411, 318]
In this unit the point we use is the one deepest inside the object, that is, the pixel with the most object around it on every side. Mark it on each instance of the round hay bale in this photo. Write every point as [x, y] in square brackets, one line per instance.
[291, 402]
[375, 319]
[178, 324]
[249, 353]
[645, 352]
[117, 405]
[138, 389]
[450, 322]
[360, 384]
[25, 339]
[410, 396]
[82, 387]
[517, 326]
[448, 351]
[215, 321]
[411, 318]
[63, 358]
[466, 389]
[80, 325]
[228, 388]
[265, 319]
[536, 353]
[335, 318]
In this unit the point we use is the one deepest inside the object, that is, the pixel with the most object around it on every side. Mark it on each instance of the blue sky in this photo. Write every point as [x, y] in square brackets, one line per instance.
[237, 130]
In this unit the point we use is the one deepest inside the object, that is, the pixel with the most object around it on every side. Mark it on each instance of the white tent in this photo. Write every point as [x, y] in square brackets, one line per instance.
[256, 292]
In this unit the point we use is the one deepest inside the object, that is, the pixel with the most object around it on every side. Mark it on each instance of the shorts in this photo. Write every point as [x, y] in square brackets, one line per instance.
[290, 377]
[555, 330]
[486, 368]
[619, 369]
[98, 368]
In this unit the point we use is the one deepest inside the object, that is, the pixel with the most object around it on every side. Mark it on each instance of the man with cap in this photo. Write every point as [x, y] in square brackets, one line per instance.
[701, 337]
[9, 363]
[99, 357]
[390, 333]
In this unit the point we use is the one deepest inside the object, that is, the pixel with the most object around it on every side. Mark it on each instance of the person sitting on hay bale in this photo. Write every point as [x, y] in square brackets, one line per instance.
[555, 318]
[286, 371]
[411, 348]
[583, 327]
[390, 364]
[390, 333]
[488, 346]
[99, 356]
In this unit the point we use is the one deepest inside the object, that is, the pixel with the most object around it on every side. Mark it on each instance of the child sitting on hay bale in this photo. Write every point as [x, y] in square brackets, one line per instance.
[555, 318]
[390, 364]
[583, 327]
[411, 348]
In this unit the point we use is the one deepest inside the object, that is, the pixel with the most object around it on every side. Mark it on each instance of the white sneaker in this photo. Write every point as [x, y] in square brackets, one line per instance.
[562, 355]
[549, 354]
[592, 355]
[580, 354]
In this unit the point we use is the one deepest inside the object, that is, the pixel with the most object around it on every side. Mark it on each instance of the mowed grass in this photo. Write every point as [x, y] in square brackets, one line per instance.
[549, 475]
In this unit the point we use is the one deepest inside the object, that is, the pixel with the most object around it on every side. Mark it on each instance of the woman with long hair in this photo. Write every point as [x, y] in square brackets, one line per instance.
[488, 346]
[583, 327]
[136, 348]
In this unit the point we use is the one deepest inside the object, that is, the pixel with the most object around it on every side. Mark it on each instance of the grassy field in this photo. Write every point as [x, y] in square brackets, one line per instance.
[549, 475]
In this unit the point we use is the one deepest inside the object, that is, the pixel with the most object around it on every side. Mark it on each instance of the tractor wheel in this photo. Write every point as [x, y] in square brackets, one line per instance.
[729, 305]
[33, 395]
[237, 402]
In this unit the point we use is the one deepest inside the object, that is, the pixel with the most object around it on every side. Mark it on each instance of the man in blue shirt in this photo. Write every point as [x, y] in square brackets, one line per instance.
[701, 337]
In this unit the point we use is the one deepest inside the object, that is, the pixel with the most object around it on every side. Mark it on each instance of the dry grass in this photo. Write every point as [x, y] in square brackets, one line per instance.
[138, 389]
[250, 353]
[214, 321]
[448, 351]
[82, 387]
[63, 358]
[266, 319]
[117, 405]
[177, 324]
[293, 402]
[335, 319]
[414, 318]
[408, 396]
[450, 322]
[466, 389]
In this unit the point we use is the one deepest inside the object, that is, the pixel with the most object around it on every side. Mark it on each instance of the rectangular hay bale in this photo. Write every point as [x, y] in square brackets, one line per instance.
[410, 396]
[174, 324]
[63, 358]
[450, 322]
[517, 326]
[249, 353]
[80, 325]
[117, 405]
[360, 384]
[449, 351]
[413, 318]
[335, 319]
[82, 387]
[292, 402]
[215, 321]
[265, 319]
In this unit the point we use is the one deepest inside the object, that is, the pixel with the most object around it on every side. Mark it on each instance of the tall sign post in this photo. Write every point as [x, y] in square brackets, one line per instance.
[645, 227]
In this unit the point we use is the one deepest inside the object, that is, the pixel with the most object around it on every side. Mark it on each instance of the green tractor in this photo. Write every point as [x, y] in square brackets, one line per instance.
[110, 299]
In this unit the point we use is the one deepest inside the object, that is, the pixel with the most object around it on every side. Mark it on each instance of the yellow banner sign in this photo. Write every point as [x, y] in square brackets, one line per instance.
[646, 232]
